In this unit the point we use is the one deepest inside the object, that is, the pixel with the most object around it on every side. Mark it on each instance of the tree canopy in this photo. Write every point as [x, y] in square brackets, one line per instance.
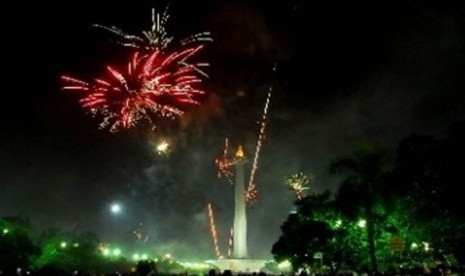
[387, 213]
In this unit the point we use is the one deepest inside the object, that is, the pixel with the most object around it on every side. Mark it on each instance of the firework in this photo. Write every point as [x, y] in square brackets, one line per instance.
[231, 242]
[297, 183]
[140, 233]
[252, 192]
[154, 85]
[156, 38]
[213, 230]
[162, 147]
[225, 163]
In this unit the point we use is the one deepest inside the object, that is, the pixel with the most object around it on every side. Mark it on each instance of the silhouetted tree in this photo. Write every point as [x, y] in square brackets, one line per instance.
[427, 171]
[16, 246]
[69, 251]
[363, 172]
[307, 232]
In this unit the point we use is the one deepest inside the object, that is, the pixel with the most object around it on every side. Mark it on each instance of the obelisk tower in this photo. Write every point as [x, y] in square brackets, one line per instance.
[240, 215]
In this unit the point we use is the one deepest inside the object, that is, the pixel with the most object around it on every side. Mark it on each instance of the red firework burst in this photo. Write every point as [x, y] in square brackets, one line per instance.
[154, 85]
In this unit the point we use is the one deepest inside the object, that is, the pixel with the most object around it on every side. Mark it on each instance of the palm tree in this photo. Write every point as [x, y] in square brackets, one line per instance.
[363, 173]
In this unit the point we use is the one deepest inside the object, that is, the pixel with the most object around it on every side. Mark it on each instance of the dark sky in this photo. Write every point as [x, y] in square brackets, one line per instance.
[346, 74]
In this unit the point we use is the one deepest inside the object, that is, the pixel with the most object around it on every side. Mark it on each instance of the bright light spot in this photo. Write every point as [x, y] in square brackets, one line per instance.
[167, 256]
[240, 152]
[5, 231]
[136, 257]
[426, 246]
[195, 265]
[284, 265]
[414, 245]
[116, 252]
[63, 244]
[115, 208]
[338, 223]
[362, 223]
[144, 257]
[106, 252]
[162, 147]
[75, 244]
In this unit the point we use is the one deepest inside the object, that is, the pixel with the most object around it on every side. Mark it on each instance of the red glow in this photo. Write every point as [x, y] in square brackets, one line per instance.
[154, 85]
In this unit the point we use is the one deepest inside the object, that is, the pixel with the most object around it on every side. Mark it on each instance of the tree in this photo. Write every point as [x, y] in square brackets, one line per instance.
[426, 173]
[16, 246]
[309, 231]
[69, 251]
[364, 172]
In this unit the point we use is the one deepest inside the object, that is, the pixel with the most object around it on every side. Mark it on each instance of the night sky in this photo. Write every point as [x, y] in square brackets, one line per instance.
[346, 74]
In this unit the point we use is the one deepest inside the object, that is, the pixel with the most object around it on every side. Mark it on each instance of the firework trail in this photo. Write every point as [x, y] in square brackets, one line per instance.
[231, 242]
[252, 192]
[297, 183]
[156, 38]
[155, 84]
[213, 230]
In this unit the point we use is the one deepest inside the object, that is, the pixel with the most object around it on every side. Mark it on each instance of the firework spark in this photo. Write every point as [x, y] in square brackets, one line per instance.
[156, 38]
[155, 84]
[252, 192]
[231, 242]
[297, 183]
[162, 147]
[225, 163]
[213, 230]
[140, 233]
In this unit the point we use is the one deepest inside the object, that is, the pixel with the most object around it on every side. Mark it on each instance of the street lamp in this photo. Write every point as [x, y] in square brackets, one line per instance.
[115, 208]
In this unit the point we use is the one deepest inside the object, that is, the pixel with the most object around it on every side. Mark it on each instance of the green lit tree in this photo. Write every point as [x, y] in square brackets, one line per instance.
[416, 235]
[426, 173]
[16, 245]
[361, 189]
[69, 251]
[407, 216]
[313, 230]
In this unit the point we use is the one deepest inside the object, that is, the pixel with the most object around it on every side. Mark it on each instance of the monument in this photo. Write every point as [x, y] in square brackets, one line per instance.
[240, 261]
[240, 215]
